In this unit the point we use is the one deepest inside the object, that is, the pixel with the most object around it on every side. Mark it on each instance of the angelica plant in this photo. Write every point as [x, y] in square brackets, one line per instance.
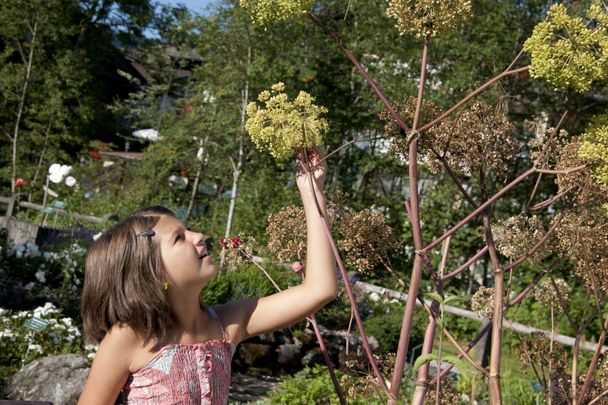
[282, 126]
[570, 52]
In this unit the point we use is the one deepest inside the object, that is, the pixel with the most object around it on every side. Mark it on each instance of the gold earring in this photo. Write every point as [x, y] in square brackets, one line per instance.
[165, 286]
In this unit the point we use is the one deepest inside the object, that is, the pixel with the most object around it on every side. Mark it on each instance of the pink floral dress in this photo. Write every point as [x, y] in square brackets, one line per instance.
[184, 374]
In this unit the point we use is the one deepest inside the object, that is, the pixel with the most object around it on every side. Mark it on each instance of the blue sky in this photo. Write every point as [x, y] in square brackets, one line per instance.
[197, 6]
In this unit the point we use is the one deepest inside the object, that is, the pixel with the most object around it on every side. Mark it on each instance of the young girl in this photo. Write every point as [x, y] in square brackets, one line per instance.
[141, 300]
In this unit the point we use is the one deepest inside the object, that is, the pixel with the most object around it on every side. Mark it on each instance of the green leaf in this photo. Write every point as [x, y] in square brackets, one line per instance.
[462, 365]
[435, 297]
[421, 360]
[453, 298]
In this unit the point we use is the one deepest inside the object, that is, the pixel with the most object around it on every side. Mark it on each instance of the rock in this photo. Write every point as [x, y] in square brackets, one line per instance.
[289, 352]
[254, 354]
[312, 357]
[58, 379]
[245, 388]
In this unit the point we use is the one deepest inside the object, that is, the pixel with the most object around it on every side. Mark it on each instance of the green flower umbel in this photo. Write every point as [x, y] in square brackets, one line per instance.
[594, 148]
[570, 52]
[265, 12]
[282, 126]
[428, 18]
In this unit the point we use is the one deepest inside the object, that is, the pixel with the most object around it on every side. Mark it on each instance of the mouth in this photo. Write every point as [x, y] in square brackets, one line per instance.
[202, 256]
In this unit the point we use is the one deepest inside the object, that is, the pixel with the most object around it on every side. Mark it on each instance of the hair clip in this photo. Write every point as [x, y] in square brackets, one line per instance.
[149, 232]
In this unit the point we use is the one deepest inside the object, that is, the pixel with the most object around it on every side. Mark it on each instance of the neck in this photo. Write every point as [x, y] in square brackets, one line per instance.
[189, 316]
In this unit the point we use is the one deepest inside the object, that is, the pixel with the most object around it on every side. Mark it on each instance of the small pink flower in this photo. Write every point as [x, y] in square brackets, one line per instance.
[19, 182]
[235, 242]
[297, 267]
[223, 242]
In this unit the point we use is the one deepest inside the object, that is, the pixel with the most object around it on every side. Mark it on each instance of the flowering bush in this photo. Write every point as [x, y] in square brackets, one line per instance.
[20, 345]
[570, 52]
[428, 18]
[284, 126]
[32, 274]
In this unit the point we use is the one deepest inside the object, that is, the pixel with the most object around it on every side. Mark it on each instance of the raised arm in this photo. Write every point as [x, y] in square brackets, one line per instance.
[246, 318]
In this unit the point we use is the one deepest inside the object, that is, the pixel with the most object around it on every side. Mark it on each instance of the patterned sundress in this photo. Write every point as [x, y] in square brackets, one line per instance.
[184, 374]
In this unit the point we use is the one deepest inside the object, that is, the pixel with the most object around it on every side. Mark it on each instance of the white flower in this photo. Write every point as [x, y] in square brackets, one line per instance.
[97, 235]
[35, 348]
[108, 163]
[70, 181]
[57, 172]
[40, 276]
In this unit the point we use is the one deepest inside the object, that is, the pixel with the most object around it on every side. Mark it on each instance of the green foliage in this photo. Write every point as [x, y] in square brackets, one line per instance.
[247, 282]
[570, 52]
[515, 390]
[309, 386]
[384, 323]
[314, 386]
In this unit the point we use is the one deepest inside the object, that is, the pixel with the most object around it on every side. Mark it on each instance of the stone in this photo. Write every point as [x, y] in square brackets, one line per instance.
[312, 357]
[289, 353]
[254, 354]
[57, 379]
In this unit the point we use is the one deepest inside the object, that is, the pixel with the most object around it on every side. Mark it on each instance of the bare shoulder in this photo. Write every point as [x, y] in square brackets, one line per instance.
[233, 316]
[124, 344]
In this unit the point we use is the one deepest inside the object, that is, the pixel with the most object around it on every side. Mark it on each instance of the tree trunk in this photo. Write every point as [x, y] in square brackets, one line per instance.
[26, 81]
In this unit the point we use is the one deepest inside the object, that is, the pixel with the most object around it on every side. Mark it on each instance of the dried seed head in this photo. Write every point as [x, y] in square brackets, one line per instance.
[516, 236]
[477, 137]
[366, 239]
[448, 394]
[535, 349]
[541, 134]
[546, 293]
[287, 234]
[583, 237]
[482, 302]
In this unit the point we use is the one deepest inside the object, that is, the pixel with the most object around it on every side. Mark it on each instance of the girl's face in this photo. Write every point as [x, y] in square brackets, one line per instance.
[184, 255]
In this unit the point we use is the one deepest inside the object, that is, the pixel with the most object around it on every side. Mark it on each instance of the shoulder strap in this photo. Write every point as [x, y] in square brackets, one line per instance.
[214, 315]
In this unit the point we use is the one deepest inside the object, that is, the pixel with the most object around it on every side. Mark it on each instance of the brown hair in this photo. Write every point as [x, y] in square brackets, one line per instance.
[123, 281]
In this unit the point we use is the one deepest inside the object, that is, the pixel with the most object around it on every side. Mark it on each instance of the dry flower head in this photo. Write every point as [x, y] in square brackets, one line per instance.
[583, 237]
[482, 302]
[517, 235]
[239, 251]
[287, 234]
[536, 349]
[542, 133]
[478, 137]
[366, 239]
[546, 293]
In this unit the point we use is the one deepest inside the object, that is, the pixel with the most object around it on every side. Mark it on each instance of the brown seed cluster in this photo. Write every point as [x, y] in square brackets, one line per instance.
[448, 394]
[517, 235]
[287, 234]
[536, 349]
[482, 302]
[583, 237]
[366, 239]
[549, 296]
[538, 143]
[478, 137]
[602, 372]
[584, 188]
[365, 385]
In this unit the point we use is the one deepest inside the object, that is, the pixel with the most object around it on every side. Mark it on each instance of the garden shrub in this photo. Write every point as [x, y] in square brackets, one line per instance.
[20, 345]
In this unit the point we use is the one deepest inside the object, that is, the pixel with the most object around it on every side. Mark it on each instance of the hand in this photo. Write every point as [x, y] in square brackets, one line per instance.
[316, 166]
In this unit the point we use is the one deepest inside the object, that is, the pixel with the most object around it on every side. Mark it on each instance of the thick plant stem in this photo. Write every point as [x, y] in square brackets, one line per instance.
[497, 317]
[414, 214]
[315, 326]
[349, 293]
[429, 335]
[328, 361]
[594, 361]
